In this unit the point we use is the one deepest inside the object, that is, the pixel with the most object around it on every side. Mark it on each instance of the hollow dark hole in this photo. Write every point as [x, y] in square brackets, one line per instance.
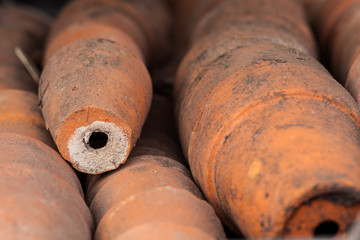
[98, 140]
[326, 229]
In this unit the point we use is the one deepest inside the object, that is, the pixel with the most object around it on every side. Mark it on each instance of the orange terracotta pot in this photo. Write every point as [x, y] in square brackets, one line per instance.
[20, 114]
[271, 138]
[337, 23]
[157, 197]
[95, 95]
[41, 195]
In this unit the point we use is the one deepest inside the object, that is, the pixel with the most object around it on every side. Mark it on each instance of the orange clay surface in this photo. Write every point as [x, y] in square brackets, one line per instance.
[20, 114]
[264, 126]
[41, 195]
[153, 195]
[93, 81]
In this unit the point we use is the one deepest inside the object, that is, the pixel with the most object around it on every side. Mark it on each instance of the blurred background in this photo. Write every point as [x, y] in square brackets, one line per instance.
[51, 7]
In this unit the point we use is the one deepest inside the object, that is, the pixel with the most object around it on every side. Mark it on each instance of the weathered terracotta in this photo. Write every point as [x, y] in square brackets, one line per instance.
[300, 226]
[153, 195]
[337, 23]
[90, 30]
[98, 14]
[95, 95]
[264, 126]
[116, 38]
[242, 30]
[20, 114]
[147, 22]
[41, 197]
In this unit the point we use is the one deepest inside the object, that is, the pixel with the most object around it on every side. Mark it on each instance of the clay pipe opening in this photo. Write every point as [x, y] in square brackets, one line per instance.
[97, 140]
[326, 229]
[330, 215]
[98, 147]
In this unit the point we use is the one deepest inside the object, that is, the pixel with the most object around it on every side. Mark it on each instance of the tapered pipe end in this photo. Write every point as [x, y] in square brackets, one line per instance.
[327, 216]
[98, 147]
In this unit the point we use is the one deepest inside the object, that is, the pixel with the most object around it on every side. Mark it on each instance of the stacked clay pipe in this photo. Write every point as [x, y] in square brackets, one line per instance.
[152, 196]
[20, 114]
[41, 196]
[271, 138]
[337, 23]
[95, 90]
[25, 28]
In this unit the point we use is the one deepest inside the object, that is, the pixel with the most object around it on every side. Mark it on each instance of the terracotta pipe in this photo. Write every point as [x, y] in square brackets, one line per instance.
[29, 24]
[16, 77]
[108, 98]
[147, 22]
[41, 197]
[96, 12]
[336, 23]
[20, 114]
[271, 138]
[157, 197]
[252, 27]
[95, 94]
[25, 28]
[78, 31]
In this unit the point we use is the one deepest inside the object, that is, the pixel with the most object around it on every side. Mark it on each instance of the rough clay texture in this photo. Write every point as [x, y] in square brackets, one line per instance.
[95, 71]
[264, 126]
[147, 22]
[21, 114]
[41, 196]
[81, 30]
[93, 80]
[152, 195]
[98, 160]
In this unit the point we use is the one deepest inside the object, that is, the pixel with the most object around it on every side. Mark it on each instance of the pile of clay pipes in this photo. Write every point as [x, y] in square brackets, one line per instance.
[271, 140]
